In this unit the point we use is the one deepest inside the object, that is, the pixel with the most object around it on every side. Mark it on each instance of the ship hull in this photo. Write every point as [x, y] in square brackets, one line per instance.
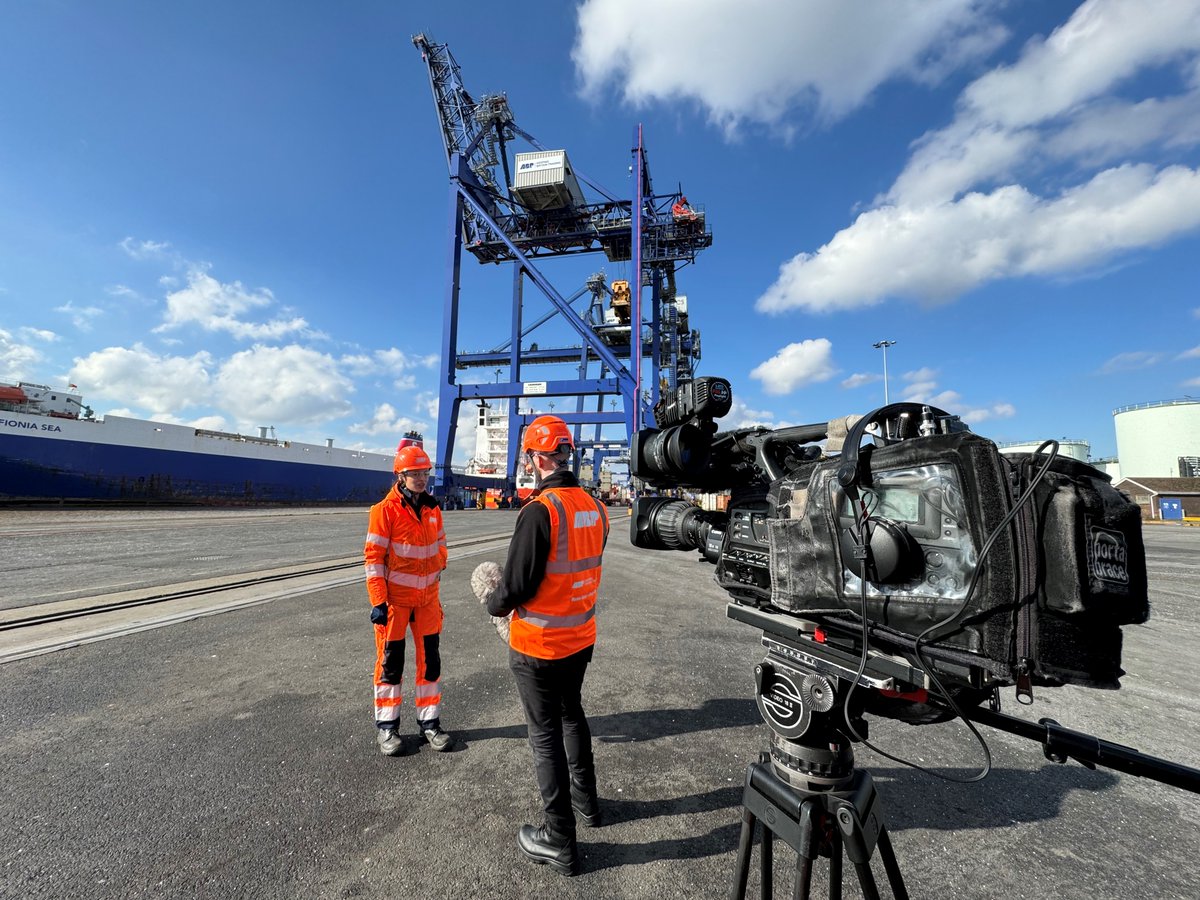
[132, 460]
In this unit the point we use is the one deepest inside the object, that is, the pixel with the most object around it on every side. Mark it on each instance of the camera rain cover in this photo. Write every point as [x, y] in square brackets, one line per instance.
[1049, 599]
[940, 496]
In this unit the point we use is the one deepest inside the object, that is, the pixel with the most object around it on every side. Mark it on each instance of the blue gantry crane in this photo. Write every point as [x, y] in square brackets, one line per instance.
[522, 209]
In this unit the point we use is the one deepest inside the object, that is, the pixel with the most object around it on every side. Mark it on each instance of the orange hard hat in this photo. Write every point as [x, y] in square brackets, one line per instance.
[409, 458]
[546, 434]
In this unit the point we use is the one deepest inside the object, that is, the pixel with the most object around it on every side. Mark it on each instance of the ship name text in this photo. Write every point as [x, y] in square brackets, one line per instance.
[29, 426]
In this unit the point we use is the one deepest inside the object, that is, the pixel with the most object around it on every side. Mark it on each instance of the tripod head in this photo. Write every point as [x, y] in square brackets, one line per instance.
[804, 709]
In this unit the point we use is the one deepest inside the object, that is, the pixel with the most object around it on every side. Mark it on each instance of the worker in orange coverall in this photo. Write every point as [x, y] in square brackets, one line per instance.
[404, 556]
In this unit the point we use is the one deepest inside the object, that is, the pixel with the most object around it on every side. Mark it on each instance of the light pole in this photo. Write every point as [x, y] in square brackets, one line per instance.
[883, 345]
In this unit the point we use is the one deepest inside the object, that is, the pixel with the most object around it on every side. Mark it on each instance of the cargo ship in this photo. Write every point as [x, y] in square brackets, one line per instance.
[52, 447]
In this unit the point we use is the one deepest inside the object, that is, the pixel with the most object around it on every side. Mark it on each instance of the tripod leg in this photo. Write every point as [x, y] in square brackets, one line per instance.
[766, 857]
[888, 855]
[806, 852]
[866, 878]
[835, 871]
[745, 842]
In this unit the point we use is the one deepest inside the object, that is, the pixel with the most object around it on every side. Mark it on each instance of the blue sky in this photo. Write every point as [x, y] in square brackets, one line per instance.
[235, 214]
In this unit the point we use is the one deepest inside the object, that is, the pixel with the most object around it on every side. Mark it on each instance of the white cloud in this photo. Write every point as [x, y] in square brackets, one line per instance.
[742, 416]
[1059, 86]
[386, 420]
[17, 361]
[429, 400]
[38, 334]
[390, 362]
[209, 423]
[797, 364]
[123, 292]
[283, 385]
[959, 216]
[1104, 43]
[996, 411]
[81, 316]
[1190, 354]
[922, 387]
[923, 374]
[394, 360]
[940, 251]
[214, 306]
[1115, 129]
[142, 250]
[858, 379]
[758, 60]
[919, 392]
[163, 385]
[1131, 361]
[464, 437]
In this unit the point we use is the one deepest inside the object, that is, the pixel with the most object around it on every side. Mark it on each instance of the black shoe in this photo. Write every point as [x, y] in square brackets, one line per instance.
[437, 739]
[543, 846]
[390, 742]
[586, 804]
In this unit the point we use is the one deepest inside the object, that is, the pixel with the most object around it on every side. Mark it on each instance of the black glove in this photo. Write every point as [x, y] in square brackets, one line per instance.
[379, 614]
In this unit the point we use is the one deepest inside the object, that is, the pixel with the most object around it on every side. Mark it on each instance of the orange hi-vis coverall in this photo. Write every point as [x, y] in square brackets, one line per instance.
[404, 556]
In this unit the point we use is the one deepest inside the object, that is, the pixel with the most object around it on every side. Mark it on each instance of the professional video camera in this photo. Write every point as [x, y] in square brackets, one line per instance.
[930, 543]
[910, 578]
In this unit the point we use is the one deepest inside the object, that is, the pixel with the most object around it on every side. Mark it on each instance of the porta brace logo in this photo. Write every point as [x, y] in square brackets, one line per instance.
[1108, 555]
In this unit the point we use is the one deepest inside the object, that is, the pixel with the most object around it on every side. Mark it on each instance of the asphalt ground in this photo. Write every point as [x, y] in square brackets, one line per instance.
[233, 756]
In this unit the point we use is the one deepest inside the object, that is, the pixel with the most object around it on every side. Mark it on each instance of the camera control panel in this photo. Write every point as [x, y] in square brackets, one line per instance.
[747, 552]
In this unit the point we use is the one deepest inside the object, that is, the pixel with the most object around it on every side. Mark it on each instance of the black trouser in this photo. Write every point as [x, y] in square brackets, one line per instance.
[558, 730]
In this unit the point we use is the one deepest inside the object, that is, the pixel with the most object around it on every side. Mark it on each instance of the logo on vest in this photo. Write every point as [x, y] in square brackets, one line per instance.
[586, 518]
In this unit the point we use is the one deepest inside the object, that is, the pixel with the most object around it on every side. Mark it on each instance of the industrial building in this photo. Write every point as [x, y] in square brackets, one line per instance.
[1080, 450]
[1159, 440]
[1168, 499]
[1158, 447]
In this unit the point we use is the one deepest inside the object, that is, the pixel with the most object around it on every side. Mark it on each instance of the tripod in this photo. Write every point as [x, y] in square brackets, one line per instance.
[813, 823]
[807, 790]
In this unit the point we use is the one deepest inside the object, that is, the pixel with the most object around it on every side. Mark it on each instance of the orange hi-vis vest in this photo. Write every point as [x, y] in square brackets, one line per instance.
[405, 553]
[560, 620]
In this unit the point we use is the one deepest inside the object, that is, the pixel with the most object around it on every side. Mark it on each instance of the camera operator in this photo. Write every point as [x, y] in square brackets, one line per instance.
[550, 583]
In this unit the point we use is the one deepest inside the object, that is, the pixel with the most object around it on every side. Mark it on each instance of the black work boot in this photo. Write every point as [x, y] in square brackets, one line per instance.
[436, 738]
[544, 847]
[390, 742]
[586, 804]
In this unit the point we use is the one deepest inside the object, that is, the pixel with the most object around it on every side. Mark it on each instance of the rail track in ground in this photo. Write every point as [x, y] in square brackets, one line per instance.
[46, 627]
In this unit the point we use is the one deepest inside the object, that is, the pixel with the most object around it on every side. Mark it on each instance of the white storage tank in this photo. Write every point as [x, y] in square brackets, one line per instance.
[1152, 437]
[1079, 450]
[545, 180]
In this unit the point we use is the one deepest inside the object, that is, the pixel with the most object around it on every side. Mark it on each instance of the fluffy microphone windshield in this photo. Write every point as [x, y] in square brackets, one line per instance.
[485, 580]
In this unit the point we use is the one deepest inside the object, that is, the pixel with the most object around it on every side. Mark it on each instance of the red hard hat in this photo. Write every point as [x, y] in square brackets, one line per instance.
[546, 434]
[410, 458]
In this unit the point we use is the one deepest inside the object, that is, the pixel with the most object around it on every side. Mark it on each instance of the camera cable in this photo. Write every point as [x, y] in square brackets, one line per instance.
[862, 519]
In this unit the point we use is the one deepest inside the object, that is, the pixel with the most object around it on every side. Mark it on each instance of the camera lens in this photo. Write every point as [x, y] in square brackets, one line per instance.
[660, 523]
[681, 452]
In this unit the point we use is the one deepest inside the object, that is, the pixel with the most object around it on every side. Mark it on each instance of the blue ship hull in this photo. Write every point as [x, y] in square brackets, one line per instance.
[32, 468]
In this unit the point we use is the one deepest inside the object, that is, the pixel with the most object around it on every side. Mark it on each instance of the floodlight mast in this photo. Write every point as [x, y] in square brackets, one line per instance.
[883, 345]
